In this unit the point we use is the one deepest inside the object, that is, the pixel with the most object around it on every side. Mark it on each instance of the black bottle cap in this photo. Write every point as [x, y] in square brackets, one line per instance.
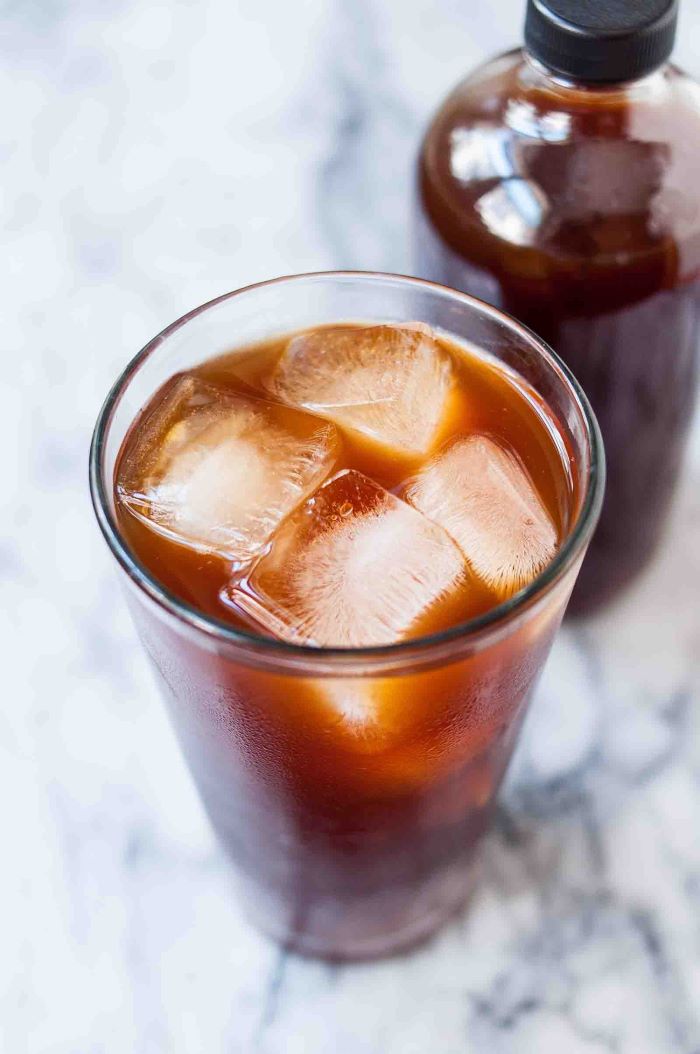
[601, 40]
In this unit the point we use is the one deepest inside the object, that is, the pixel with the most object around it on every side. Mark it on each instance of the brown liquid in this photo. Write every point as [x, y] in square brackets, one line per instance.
[353, 840]
[578, 211]
[486, 400]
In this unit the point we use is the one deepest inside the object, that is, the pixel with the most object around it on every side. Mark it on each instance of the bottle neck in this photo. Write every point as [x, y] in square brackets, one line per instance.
[537, 75]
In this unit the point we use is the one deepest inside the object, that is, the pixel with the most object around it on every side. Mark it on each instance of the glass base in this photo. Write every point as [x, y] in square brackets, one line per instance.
[367, 929]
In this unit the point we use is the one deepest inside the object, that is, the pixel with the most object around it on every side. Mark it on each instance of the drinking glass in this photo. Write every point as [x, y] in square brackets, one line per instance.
[350, 843]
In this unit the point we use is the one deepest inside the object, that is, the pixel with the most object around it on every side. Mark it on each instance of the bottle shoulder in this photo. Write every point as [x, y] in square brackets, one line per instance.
[511, 80]
[539, 163]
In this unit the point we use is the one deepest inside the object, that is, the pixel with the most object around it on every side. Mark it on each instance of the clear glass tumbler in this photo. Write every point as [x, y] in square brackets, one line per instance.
[349, 845]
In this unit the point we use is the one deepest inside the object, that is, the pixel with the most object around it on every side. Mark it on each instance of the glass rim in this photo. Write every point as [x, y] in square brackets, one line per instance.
[287, 653]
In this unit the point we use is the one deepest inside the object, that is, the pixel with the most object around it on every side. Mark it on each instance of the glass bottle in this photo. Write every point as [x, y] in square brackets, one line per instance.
[561, 182]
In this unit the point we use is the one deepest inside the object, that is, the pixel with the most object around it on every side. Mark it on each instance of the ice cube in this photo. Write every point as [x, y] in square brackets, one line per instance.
[479, 492]
[217, 470]
[353, 566]
[388, 382]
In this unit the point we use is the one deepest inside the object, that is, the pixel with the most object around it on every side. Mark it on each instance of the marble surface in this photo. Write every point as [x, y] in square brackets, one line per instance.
[155, 155]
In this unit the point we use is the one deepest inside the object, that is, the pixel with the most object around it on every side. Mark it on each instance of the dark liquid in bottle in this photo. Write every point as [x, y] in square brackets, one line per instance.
[578, 211]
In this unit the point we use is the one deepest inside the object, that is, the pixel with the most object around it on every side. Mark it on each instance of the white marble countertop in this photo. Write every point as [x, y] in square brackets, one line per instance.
[156, 154]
